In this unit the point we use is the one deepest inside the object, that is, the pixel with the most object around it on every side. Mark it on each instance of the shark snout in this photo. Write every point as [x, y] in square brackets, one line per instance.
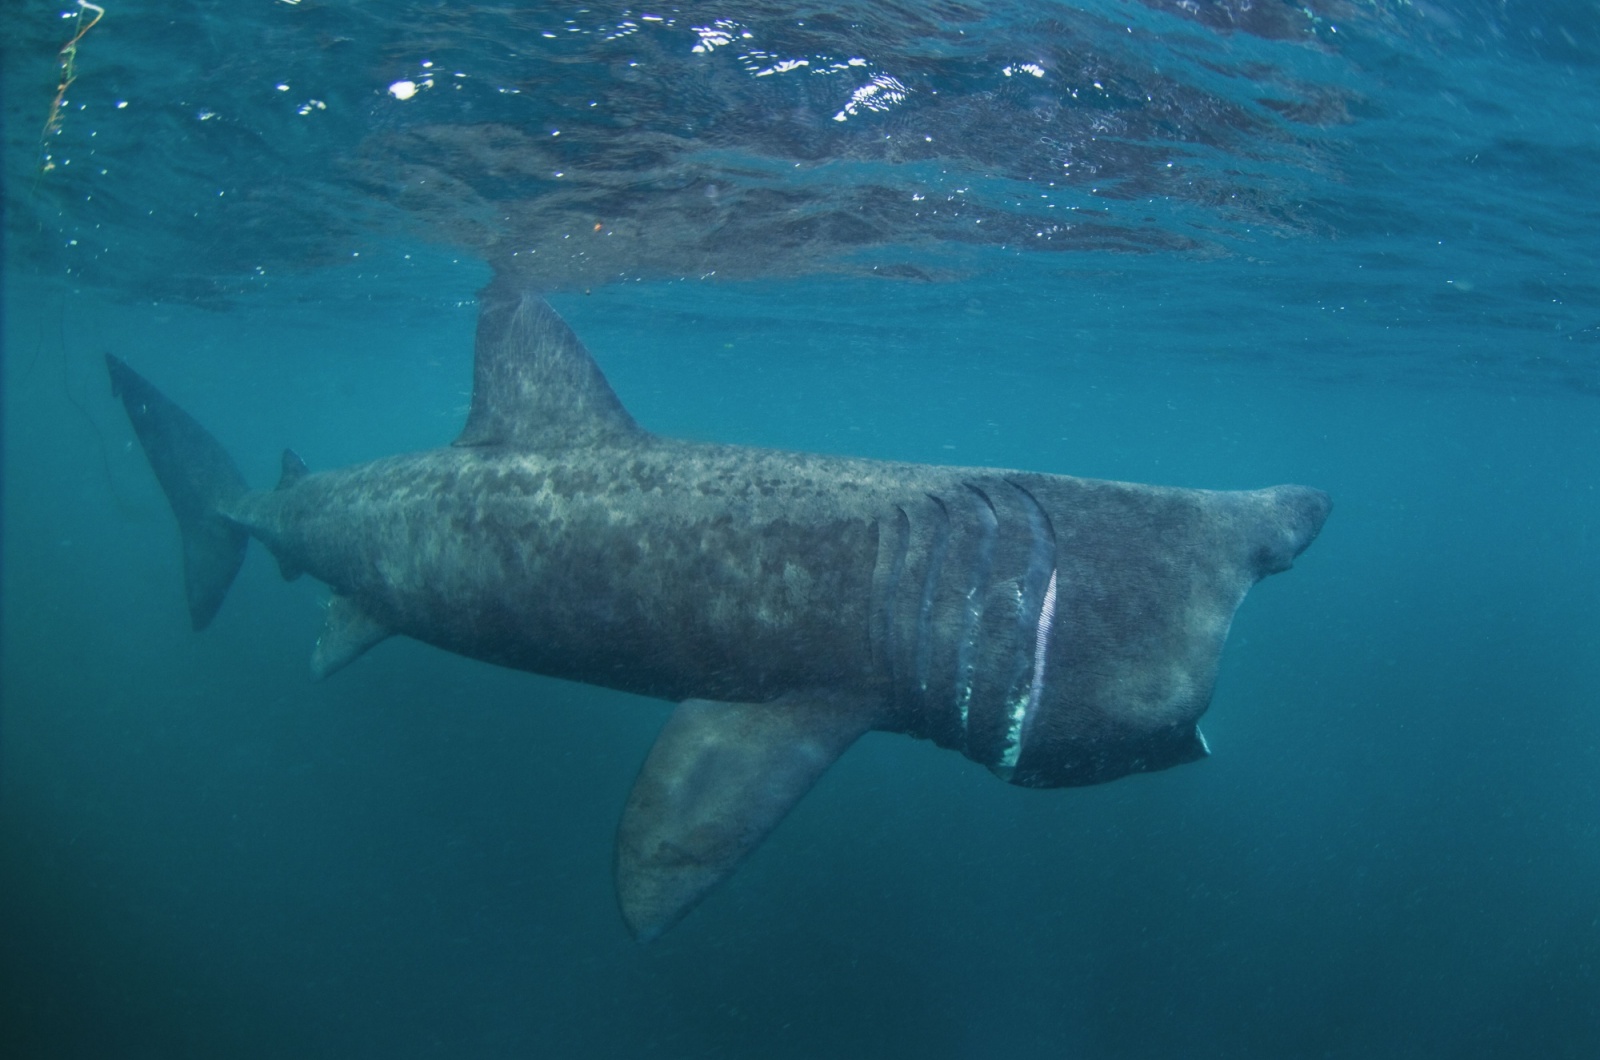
[1293, 516]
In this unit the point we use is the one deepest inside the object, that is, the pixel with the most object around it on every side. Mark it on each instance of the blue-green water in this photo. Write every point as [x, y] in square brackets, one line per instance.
[1373, 272]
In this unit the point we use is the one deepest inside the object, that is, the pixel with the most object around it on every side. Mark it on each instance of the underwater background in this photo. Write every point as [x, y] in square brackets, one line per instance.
[1214, 244]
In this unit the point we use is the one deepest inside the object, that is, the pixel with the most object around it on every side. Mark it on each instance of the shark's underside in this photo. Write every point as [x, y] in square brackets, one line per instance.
[1058, 630]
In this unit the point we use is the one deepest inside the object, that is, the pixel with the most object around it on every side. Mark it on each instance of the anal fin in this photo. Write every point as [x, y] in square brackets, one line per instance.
[718, 780]
[346, 634]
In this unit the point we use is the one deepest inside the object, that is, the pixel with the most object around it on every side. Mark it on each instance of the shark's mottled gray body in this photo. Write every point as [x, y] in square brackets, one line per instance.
[1058, 630]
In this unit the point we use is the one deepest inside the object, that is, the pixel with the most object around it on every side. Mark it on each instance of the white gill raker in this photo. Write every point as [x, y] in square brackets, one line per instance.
[964, 670]
[1041, 639]
[1021, 709]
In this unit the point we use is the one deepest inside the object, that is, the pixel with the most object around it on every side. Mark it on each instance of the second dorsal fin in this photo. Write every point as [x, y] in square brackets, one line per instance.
[534, 386]
[294, 470]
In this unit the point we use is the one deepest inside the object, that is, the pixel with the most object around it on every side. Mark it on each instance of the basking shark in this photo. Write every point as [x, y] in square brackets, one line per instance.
[1058, 630]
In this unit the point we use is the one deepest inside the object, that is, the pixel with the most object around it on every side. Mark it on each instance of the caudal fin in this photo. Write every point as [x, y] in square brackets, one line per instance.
[198, 478]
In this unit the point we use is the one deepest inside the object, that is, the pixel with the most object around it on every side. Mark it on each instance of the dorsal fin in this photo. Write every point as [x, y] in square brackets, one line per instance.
[534, 386]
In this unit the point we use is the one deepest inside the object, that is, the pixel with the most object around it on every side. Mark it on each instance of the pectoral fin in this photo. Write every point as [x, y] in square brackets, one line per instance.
[719, 778]
[346, 633]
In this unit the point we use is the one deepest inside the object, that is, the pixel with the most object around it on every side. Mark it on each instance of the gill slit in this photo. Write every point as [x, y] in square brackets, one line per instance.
[967, 645]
